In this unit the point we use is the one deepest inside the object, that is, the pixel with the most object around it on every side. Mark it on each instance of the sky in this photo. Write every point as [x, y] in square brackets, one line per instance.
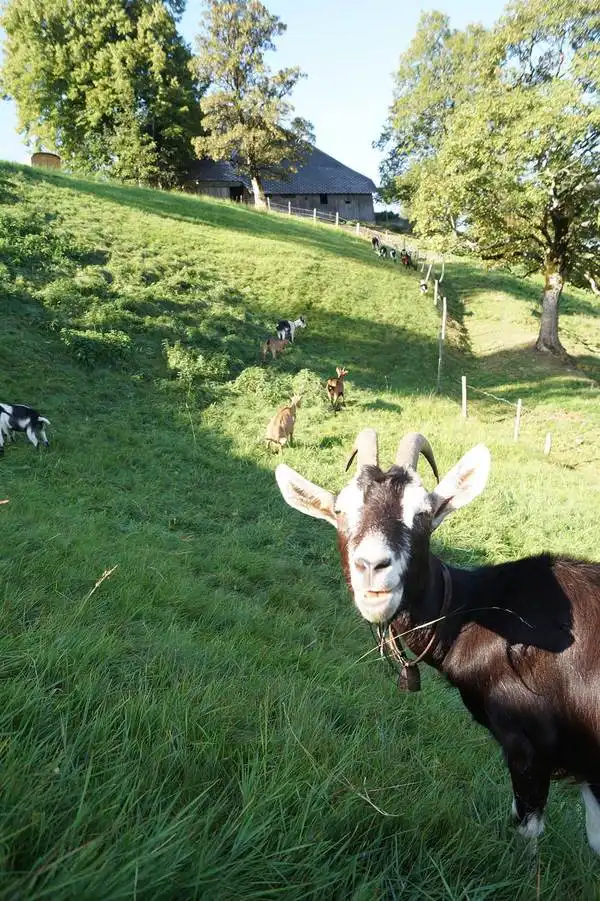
[348, 49]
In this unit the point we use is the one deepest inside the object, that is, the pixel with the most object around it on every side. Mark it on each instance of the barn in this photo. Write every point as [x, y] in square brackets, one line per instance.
[322, 183]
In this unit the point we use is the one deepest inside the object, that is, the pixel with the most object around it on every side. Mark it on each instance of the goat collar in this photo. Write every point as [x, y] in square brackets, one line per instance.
[390, 644]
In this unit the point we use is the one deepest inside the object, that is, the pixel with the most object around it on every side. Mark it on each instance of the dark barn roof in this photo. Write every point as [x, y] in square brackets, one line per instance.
[321, 174]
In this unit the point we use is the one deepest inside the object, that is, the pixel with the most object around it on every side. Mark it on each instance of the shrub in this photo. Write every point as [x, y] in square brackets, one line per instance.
[92, 349]
[188, 365]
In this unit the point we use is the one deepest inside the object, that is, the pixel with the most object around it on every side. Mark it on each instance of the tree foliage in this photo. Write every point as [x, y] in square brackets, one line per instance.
[247, 114]
[107, 84]
[494, 141]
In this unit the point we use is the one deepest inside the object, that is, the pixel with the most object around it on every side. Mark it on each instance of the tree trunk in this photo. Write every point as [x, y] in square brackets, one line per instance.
[260, 201]
[548, 340]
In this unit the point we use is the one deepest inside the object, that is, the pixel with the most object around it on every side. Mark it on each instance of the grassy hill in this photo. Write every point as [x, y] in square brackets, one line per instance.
[189, 704]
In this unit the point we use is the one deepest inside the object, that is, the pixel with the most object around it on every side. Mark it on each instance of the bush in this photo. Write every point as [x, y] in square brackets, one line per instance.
[189, 366]
[92, 349]
[257, 382]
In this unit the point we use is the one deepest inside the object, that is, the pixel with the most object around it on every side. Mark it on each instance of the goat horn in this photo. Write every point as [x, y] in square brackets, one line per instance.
[365, 449]
[409, 449]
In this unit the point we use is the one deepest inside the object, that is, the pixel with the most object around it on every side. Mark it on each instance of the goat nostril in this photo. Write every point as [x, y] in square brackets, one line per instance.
[383, 564]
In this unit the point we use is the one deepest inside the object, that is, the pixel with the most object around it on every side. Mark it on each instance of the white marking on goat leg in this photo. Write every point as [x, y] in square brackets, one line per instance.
[32, 436]
[531, 826]
[44, 437]
[513, 810]
[592, 817]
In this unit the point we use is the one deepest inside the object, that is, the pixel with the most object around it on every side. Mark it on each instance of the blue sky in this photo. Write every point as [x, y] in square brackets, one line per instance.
[348, 49]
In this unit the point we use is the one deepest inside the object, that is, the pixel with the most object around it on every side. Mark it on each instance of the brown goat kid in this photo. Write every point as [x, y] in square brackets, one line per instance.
[280, 430]
[519, 640]
[335, 388]
[273, 346]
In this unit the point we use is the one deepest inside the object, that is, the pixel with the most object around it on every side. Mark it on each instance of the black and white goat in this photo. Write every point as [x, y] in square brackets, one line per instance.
[519, 640]
[286, 328]
[424, 286]
[21, 418]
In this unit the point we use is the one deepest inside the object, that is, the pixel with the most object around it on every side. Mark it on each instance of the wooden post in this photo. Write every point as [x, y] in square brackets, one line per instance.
[269, 204]
[463, 380]
[337, 220]
[517, 420]
[547, 444]
[358, 229]
[443, 269]
[441, 345]
[289, 207]
[423, 265]
[436, 285]
[314, 214]
[428, 272]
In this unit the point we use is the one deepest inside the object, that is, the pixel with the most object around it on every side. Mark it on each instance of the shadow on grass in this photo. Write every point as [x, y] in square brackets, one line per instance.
[235, 217]
[470, 279]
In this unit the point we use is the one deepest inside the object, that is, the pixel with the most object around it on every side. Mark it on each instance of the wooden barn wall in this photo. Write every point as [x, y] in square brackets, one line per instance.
[349, 206]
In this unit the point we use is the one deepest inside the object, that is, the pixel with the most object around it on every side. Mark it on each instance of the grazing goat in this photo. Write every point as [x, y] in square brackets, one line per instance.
[386, 251]
[375, 243]
[280, 430]
[273, 346]
[286, 328]
[424, 286]
[519, 640]
[21, 418]
[335, 388]
[406, 259]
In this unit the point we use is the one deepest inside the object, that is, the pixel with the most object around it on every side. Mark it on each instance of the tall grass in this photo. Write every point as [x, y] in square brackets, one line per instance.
[189, 705]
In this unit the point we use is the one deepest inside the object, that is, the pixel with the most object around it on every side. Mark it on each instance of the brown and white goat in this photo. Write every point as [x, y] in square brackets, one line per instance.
[520, 640]
[273, 346]
[335, 388]
[280, 430]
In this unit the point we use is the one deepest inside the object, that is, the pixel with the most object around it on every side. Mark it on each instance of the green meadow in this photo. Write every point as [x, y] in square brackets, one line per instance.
[190, 707]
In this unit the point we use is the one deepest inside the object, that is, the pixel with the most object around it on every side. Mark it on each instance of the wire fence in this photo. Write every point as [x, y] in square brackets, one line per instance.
[453, 378]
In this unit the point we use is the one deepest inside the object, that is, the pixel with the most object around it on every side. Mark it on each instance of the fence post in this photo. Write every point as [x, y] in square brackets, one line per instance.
[337, 220]
[547, 444]
[289, 207]
[517, 420]
[358, 229]
[314, 214]
[463, 380]
[269, 204]
[436, 285]
[443, 269]
[428, 272]
[441, 346]
[423, 265]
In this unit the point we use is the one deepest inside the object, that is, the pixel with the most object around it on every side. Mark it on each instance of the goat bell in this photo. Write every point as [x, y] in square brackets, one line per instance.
[409, 678]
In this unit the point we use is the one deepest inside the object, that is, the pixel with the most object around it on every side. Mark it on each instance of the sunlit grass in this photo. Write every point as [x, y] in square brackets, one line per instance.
[208, 721]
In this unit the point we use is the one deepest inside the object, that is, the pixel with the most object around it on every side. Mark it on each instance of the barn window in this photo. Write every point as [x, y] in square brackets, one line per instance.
[347, 200]
[289, 196]
[323, 199]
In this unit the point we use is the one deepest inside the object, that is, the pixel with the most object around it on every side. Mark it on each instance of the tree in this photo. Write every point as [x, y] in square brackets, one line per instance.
[512, 170]
[107, 84]
[247, 116]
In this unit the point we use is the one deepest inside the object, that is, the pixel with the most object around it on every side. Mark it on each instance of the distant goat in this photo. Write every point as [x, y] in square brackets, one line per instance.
[424, 286]
[335, 388]
[286, 328]
[406, 259]
[280, 430]
[519, 640]
[21, 418]
[273, 346]
[375, 243]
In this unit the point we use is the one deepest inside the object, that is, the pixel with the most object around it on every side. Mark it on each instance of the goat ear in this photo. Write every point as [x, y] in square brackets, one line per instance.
[462, 484]
[301, 494]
